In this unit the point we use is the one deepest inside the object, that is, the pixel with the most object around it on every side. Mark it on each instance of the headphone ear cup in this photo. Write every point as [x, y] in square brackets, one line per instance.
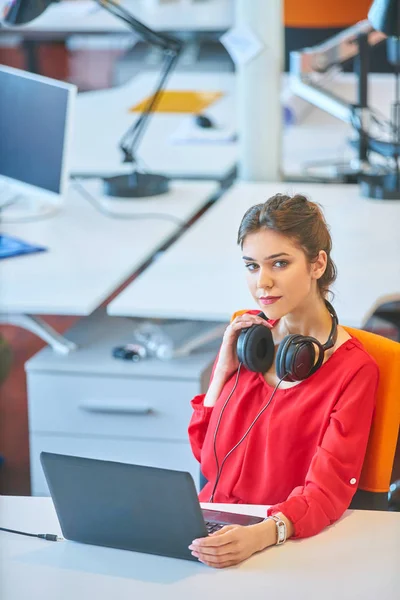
[296, 357]
[320, 359]
[255, 348]
[281, 364]
[240, 345]
[301, 358]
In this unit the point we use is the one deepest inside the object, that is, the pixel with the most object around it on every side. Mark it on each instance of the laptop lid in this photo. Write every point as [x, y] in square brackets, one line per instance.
[124, 506]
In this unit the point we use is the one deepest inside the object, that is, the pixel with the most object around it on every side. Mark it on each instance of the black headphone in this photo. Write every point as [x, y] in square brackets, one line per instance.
[296, 356]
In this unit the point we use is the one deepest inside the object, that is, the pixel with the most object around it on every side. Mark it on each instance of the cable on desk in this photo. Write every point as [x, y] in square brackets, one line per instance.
[124, 216]
[50, 537]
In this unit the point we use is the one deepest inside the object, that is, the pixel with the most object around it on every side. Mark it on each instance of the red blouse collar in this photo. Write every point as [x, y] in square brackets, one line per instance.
[273, 322]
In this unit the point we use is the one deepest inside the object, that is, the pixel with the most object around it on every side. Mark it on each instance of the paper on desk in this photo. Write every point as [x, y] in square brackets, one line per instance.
[188, 133]
[242, 44]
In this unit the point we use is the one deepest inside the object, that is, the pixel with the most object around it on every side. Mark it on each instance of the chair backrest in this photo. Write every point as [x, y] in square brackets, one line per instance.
[379, 457]
[378, 462]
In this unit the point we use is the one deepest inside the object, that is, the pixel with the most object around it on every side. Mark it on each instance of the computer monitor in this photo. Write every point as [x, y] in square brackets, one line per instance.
[35, 136]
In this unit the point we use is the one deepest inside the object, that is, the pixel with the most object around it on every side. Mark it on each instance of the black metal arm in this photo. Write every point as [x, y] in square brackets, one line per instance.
[171, 47]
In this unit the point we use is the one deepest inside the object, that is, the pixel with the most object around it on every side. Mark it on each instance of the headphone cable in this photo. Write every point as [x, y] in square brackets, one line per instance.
[97, 204]
[220, 416]
[219, 470]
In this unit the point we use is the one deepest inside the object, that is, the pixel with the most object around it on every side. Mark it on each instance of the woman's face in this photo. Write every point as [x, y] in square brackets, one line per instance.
[279, 276]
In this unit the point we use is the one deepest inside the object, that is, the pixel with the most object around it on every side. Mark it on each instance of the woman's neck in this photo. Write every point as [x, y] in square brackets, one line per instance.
[312, 318]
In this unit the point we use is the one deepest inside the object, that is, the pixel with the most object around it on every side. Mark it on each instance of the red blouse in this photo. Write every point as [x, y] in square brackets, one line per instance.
[305, 453]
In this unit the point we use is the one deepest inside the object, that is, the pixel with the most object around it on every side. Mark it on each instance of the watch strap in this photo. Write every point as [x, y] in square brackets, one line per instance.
[280, 529]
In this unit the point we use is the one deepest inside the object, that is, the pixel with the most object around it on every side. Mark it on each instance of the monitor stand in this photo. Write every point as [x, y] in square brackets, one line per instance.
[18, 204]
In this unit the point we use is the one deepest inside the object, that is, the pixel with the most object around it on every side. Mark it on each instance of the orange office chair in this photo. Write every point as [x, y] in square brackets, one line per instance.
[372, 492]
[374, 483]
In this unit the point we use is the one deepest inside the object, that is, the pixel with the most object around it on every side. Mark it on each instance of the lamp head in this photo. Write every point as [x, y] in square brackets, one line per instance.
[19, 12]
[384, 16]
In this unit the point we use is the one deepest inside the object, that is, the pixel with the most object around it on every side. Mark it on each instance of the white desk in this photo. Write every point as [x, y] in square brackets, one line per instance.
[65, 18]
[366, 249]
[103, 117]
[90, 255]
[358, 557]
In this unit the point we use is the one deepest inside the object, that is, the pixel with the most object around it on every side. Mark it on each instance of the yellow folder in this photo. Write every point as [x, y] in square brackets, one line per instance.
[180, 101]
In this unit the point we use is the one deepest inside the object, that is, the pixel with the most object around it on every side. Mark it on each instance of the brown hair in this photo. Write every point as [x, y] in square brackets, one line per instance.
[300, 220]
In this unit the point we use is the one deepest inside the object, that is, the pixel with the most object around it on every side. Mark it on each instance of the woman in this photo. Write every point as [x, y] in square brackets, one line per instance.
[304, 454]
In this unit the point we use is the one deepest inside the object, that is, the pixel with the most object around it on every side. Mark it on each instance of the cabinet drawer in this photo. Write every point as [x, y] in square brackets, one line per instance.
[167, 455]
[115, 407]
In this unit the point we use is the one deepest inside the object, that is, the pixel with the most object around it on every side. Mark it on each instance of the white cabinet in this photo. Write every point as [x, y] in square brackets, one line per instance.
[91, 404]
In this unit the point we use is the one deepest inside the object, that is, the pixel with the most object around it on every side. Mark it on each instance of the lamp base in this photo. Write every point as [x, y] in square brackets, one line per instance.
[135, 185]
[380, 187]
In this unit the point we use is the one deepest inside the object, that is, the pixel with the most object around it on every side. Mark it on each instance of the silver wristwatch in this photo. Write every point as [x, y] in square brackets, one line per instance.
[280, 529]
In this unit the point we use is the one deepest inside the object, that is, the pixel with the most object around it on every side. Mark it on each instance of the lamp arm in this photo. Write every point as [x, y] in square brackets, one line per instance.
[171, 47]
[131, 139]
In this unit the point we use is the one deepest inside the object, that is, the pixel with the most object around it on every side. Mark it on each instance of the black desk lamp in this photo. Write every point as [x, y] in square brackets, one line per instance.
[135, 184]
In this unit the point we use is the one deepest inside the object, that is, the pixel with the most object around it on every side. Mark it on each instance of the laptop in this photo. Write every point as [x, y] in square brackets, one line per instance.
[130, 507]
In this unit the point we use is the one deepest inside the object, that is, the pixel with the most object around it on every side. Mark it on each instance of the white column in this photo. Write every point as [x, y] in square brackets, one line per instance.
[258, 92]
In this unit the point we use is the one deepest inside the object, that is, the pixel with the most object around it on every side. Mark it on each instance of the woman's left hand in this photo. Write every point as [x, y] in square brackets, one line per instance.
[228, 546]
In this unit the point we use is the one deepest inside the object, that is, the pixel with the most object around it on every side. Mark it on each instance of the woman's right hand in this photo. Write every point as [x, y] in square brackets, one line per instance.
[228, 361]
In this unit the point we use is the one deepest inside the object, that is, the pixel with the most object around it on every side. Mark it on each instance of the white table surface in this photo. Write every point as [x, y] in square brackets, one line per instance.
[102, 117]
[214, 15]
[90, 255]
[356, 558]
[366, 249]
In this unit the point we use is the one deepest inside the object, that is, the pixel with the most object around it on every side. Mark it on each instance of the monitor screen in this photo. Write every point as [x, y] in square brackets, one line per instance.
[35, 117]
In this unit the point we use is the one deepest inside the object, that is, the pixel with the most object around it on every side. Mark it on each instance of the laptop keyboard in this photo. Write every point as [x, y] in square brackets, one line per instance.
[212, 527]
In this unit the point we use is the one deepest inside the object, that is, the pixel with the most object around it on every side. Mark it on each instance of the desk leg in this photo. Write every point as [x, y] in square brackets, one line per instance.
[31, 48]
[37, 326]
